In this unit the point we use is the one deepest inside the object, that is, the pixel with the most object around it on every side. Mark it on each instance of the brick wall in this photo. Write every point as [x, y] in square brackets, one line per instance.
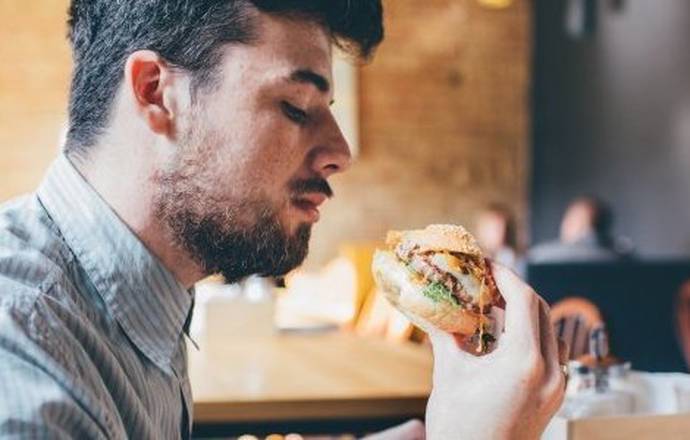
[444, 122]
[34, 80]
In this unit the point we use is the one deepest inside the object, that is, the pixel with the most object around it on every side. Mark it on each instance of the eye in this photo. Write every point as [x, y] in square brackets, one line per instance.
[295, 114]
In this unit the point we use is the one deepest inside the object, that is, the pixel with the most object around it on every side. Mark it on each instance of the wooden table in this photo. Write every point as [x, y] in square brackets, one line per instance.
[294, 380]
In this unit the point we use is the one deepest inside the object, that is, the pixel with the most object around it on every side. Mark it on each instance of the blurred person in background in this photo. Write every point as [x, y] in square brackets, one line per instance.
[585, 235]
[201, 141]
[497, 235]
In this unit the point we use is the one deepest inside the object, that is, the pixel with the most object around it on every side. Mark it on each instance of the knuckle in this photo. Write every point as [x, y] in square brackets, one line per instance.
[556, 384]
[563, 350]
[532, 365]
[416, 425]
[552, 392]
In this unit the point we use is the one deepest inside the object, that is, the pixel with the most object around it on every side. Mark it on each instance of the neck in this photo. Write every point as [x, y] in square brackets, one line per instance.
[124, 179]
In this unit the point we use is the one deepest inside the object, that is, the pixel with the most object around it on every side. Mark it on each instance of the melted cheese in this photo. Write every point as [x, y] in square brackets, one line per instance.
[452, 262]
[453, 266]
[418, 278]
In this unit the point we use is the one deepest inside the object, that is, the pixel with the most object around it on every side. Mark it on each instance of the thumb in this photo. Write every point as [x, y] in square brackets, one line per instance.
[449, 352]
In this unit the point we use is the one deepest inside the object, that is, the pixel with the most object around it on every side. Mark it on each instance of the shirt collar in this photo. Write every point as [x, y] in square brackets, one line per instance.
[147, 301]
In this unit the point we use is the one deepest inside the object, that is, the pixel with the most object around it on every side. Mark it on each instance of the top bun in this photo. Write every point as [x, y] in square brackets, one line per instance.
[437, 238]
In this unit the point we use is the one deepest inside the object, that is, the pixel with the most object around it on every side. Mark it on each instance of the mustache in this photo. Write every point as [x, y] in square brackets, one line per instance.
[312, 185]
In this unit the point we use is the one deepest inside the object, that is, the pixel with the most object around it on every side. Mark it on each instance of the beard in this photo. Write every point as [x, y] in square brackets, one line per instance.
[219, 244]
[234, 237]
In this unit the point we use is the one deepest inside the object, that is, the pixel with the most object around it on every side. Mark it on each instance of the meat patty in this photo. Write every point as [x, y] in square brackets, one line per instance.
[461, 274]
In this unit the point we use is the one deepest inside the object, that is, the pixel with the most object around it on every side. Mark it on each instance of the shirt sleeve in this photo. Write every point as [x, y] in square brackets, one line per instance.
[36, 402]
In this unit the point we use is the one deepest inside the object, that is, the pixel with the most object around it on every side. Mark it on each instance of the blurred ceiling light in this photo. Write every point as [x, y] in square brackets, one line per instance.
[495, 4]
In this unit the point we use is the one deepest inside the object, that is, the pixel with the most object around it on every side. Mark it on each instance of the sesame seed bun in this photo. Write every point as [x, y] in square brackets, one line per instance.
[437, 238]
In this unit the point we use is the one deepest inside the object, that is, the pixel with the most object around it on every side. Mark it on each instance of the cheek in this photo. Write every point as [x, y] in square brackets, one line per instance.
[277, 157]
[257, 152]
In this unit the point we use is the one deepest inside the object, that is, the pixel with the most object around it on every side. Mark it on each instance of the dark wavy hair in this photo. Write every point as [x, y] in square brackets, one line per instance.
[188, 34]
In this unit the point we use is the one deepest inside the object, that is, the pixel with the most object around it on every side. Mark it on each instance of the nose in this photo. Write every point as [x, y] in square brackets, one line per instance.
[332, 155]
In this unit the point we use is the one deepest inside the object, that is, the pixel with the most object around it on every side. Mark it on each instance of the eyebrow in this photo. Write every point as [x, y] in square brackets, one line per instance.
[311, 77]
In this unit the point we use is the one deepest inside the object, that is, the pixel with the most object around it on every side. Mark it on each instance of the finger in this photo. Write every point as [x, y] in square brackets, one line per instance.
[554, 378]
[548, 343]
[411, 430]
[563, 352]
[522, 309]
[447, 347]
[450, 356]
[442, 342]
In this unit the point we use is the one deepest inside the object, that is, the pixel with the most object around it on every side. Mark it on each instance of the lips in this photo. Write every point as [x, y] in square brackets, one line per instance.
[309, 204]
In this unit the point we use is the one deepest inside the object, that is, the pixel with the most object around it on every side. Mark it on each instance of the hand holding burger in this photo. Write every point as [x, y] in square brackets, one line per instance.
[511, 392]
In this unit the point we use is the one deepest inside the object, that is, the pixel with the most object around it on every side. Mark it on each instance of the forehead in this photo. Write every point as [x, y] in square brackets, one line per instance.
[283, 46]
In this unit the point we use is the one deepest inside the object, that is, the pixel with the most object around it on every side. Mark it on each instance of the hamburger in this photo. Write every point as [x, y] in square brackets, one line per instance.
[439, 276]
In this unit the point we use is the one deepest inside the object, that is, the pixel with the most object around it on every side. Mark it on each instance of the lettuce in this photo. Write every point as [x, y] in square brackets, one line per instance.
[437, 292]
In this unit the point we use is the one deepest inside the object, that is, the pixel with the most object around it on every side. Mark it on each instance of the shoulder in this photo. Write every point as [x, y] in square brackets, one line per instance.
[39, 400]
[39, 303]
[547, 251]
[44, 378]
[556, 252]
[36, 276]
[33, 256]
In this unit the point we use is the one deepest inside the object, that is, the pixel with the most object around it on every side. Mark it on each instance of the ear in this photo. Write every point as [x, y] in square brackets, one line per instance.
[148, 79]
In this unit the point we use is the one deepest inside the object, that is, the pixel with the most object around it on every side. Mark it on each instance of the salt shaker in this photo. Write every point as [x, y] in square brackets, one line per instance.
[590, 393]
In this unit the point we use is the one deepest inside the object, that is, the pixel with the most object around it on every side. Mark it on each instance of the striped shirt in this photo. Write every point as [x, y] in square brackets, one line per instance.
[91, 323]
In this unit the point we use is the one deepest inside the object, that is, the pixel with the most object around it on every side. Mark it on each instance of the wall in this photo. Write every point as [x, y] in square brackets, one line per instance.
[612, 117]
[34, 80]
[444, 122]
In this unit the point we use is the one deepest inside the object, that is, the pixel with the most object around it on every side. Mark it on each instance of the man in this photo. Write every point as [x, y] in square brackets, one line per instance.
[497, 235]
[201, 142]
[585, 235]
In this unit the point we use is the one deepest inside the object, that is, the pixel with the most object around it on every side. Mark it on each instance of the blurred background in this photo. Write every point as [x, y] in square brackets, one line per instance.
[527, 104]
[558, 131]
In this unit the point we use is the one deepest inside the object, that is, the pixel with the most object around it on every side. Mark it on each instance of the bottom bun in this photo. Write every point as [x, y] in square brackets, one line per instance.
[406, 295]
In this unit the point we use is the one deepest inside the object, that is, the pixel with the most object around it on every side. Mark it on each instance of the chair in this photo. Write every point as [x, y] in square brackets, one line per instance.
[573, 319]
[374, 316]
[683, 319]
[380, 319]
[361, 255]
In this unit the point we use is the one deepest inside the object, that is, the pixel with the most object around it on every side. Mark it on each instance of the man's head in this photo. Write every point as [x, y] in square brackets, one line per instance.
[586, 216]
[228, 101]
[496, 228]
